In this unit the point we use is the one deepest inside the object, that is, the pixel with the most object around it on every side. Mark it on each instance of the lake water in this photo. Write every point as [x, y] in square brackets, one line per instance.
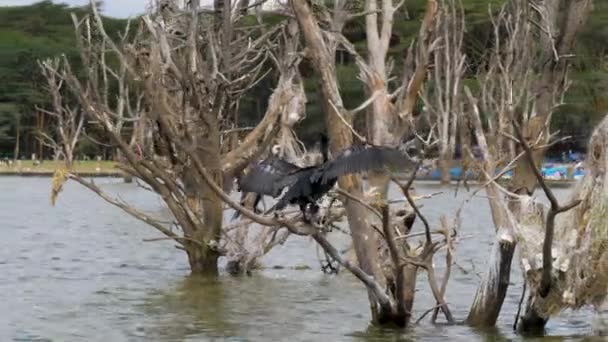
[80, 272]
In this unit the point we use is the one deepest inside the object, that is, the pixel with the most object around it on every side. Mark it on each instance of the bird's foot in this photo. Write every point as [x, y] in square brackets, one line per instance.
[329, 266]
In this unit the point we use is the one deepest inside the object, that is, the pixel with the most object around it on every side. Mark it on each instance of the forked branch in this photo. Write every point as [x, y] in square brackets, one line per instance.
[555, 209]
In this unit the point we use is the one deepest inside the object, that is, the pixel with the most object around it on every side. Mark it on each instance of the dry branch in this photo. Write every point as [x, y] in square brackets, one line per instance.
[556, 208]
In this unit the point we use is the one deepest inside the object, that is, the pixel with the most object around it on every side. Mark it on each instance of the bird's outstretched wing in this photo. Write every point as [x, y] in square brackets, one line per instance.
[362, 158]
[301, 187]
[268, 177]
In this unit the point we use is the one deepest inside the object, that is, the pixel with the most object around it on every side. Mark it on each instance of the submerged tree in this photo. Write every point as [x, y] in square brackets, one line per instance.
[524, 80]
[389, 119]
[181, 73]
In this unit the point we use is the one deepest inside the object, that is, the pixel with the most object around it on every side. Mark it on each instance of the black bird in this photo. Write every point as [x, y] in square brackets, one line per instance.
[266, 177]
[307, 185]
[313, 182]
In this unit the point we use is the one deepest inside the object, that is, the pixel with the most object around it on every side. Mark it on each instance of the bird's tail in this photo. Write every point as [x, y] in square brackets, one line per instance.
[280, 205]
[243, 202]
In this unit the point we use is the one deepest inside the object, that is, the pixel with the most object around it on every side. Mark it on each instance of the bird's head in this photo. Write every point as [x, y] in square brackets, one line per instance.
[323, 138]
[412, 148]
[275, 150]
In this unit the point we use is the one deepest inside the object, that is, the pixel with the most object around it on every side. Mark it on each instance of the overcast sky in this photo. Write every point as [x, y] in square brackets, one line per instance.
[112, 8]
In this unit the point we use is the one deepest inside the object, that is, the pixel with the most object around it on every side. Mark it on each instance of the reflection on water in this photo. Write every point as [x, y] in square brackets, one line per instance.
[80, 272]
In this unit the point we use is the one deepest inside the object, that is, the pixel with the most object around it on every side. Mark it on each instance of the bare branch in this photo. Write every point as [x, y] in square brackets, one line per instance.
[556, 208]
[125, 207]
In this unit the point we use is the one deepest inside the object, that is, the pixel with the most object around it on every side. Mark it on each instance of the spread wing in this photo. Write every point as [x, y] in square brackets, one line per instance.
[269, 177]
[362, 158]
[301, 187]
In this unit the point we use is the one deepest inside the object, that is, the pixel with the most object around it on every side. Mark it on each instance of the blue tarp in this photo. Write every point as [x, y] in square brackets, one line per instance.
[547, 170]
[455, 173]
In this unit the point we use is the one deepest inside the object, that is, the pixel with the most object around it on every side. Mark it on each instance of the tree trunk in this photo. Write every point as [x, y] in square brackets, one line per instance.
[408, 291]
[549, 87]
[17, 139]
[493, 288]
[600, 323]
[364, 238]
[40, 126]
[384, 129]
[445, 162]
[566, 21]
[213, 212]
[202, 259]
[531, 322]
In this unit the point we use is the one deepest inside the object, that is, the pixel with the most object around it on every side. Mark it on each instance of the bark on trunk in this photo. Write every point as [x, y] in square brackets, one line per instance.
[408, 291]
[365, 240]
[40, 122]
[17, 139]
[202, 260]
[531, 322]
[445, 162]
[565, 20]
[493, 287]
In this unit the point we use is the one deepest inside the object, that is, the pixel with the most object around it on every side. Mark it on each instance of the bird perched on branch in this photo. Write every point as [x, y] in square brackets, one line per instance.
[266, 177]
[307, 185]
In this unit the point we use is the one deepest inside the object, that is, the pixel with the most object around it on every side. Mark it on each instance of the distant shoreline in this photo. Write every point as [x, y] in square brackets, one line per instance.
[119, 174]
[102, 174]
[89, 168]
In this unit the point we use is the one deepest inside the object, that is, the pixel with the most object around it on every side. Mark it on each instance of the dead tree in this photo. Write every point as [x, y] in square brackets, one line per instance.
[390, 117]
[189, 67]
[523, 81]
[442, 94]
[404, 252]
[68, 120]
[321, 53]
[563, 253]
[391, 111]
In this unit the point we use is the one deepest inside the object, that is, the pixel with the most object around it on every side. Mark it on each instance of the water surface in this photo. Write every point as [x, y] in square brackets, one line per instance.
[80, 272]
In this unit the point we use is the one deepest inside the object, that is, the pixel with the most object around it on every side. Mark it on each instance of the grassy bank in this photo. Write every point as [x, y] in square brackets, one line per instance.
[48, 167]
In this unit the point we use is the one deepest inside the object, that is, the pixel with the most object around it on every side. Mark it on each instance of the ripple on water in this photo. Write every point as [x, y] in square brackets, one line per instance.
[66, 277]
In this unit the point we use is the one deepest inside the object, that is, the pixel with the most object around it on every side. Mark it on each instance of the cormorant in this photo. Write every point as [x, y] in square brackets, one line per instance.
[307, 185]
[266, 177]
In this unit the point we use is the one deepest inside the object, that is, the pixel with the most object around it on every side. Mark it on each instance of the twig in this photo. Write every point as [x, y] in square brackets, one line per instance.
[521, 300]
[383, 299]
[358, 200]
[389, 236]
[130, 210]
[237, 129]
[448, 268]
[405, 189]
[409, 236]
[365, 104]
[430, 272]
[178, 238]
[349, 126]
[429, 311]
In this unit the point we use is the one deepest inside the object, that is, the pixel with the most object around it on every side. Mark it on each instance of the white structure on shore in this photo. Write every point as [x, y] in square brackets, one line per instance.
[270, 5]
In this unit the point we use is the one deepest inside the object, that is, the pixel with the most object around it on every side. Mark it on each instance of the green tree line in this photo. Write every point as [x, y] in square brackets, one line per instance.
[44, 29]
